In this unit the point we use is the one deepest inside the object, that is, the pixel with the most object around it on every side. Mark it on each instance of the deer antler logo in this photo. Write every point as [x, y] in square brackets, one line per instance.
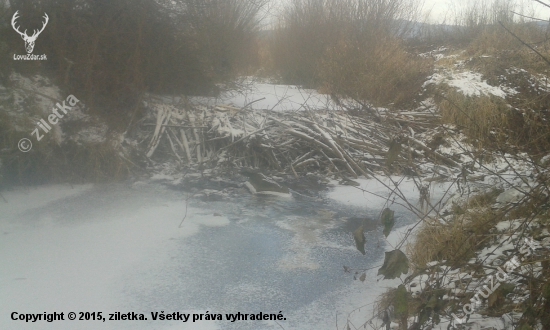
[29, 40]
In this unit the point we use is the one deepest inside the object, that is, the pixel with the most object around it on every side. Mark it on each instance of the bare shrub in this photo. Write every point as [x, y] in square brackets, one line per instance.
[225, 31]
[110, 52]
[319, 42]
[381, 72]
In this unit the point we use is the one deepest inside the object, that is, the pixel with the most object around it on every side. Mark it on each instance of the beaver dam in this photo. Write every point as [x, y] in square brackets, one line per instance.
[349, 142]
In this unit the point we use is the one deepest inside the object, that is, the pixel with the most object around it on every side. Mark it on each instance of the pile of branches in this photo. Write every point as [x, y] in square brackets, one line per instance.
[352, 143]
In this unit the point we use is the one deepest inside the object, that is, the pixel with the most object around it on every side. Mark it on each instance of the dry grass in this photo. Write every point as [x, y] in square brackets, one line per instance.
[349, 47]
[457, 240]
[381, 72]
[517, 123]
[484, 119]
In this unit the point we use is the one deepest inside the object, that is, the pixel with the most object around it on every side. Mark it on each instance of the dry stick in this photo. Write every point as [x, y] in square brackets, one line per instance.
[217, 138]
[279, 325]
[348, 158]
[372, 148]
[248, 104]
[306, 162]
[351, 161]
[350, 138]
[176, 126]
[162, 117]
[362, 146]
[530, 17]
[185, 143]
[277, 162]
[435, 153]
[175, 136]
[542, 3]
[294, 171]
[197, 138]
[310, 139]
[3, 198]
[185, 215]
[172, 146]
[330, 160]
[257, 131]
[228, 123]
[300, 158]
[335, 149]
[244, 137]
[286, 143]
[160, 120]
[305, 128]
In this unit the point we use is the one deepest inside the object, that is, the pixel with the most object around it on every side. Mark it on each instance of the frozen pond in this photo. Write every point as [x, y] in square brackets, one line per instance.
[276, 97]
[118, 248]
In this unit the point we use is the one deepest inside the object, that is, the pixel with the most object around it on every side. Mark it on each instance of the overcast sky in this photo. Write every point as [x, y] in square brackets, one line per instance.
[445, 8]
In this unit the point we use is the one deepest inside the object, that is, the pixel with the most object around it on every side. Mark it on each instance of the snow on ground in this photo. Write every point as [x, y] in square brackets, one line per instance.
[33, 98]
[376, 194]
[469, 83]
[272, 97]
[465, 81]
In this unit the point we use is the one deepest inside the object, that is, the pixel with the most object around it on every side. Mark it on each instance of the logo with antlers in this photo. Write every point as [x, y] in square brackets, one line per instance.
[29, 40]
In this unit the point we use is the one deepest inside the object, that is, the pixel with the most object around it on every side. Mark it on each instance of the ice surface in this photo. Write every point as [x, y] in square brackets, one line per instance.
[376, 194]
[114, 248]
[273, 97]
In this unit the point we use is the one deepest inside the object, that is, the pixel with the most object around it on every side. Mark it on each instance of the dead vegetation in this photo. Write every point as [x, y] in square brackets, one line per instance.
[485, 119]
[350, 48]
[456, 251]
[326, 141]
[110, 53]
[457, 238]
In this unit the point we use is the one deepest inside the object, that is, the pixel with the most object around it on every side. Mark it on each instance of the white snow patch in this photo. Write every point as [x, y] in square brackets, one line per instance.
[374, 194]
[272, 97]
[470, 84]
